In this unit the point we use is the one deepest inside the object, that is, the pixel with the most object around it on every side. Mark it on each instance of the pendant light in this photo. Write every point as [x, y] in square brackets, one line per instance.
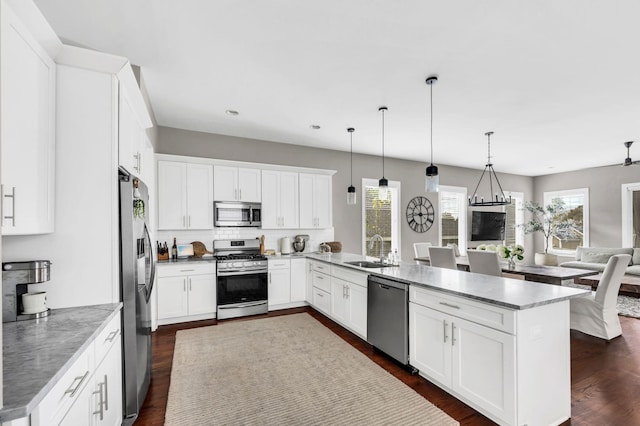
[432, 179]
[351, 190]
[383, 184]
[500, 199]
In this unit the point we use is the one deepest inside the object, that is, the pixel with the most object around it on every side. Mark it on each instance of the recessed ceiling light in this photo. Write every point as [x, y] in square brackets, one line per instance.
[232, 112]
[315, 127]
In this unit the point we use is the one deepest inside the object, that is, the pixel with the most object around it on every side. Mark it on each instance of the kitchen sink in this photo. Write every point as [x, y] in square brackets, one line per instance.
[368, 264]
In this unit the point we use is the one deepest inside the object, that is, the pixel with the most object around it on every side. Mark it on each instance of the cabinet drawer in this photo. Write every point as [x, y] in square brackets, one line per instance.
[322, 281]
[65, 392]
[279, 264]
[110, 336]
[322, 300]
[350, 275]
[481, 313]
[321, 267]
[191, 268]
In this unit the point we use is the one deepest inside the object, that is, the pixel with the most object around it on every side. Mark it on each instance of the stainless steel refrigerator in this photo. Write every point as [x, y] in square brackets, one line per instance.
[137, 270]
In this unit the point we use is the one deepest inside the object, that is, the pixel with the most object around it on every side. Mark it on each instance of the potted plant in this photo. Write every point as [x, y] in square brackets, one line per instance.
[550, 220]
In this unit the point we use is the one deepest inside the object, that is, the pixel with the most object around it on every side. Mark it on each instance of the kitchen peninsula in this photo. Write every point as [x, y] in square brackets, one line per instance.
[500, 345]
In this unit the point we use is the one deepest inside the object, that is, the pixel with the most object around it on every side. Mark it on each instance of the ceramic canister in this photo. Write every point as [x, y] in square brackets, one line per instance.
[33, 303]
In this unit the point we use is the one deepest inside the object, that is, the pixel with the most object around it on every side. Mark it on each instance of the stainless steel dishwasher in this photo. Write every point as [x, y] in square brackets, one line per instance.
[388, 317]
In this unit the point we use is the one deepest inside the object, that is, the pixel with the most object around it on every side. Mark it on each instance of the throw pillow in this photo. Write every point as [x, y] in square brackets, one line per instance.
[595, 257]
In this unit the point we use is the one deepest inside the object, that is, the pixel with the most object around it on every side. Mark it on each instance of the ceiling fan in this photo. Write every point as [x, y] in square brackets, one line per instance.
[627, 161]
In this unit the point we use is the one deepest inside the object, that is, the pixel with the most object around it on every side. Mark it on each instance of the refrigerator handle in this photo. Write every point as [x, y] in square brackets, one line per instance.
[153, 264]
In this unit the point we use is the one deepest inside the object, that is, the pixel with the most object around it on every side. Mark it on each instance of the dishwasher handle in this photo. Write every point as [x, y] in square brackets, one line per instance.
[387, 284]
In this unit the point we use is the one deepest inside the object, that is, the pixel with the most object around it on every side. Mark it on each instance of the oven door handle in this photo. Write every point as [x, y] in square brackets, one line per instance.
[243, 305]
[234, 273]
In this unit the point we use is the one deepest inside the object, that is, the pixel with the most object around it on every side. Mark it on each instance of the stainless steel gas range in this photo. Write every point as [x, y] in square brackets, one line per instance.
[242, 278]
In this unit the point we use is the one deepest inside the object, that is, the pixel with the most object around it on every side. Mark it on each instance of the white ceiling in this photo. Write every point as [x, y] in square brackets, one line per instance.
[557, 81]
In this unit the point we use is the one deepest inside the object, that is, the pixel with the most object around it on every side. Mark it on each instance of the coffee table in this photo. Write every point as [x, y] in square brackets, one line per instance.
[630, 284]
[538, 273]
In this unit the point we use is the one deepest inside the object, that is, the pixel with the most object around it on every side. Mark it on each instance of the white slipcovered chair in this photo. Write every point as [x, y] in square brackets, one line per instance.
[421, 249]
[484, 262]
[442, 257]
[596, 314]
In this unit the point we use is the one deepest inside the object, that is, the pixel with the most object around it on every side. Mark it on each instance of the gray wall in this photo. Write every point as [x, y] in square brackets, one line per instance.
[347, 220]
[605, 198]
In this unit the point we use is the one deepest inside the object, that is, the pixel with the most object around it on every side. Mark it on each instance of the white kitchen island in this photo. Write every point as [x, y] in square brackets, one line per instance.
[500, 345]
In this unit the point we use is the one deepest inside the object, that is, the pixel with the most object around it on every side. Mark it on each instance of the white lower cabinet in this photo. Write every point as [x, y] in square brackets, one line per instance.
[90, 392]
[279, 282]
[468, 348]
[298, 279]
[186, 292]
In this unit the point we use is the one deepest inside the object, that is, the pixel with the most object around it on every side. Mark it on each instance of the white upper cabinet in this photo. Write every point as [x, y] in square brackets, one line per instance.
[185, 195]
[28, 98]
[315, 201]
[132, 140]
[279, 199]
[236, 184]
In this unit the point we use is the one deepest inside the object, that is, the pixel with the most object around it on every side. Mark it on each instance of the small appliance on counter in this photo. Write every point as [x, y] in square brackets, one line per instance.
[299, 242]
[285, 245]
[17, 303]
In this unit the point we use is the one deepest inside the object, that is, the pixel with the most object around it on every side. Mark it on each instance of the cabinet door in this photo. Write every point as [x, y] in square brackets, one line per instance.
[202, 294]
[430, 343]
[172, 195]
[307, 216]
[27, 91]
[130, 135]
[249, 187]
[199, 196]
[339, 301]
[322, 201]
[106, 398]
[289, 200]
[483, 369]
[298, 280]
[80, 411]
[172, 297]
[357, 296]
[279, 287]
[225, 183]
[270, 200]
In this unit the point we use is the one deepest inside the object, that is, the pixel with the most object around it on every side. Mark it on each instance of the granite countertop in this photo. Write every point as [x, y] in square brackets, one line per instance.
[36, 353]
[206, 259]
[506, 292]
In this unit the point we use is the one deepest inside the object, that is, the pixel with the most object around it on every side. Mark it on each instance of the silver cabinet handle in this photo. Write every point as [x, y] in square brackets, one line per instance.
[111, 336]
[320, 294]
[240, 197]
[319, 277]
[444, 327]
[348, 292]
[190, 285]
[450, 305]
[187, 270]
[189, 221]
[13, 205]
[453, 334]
[184, 284]
[73, 390]
[101, 403]
[184, 223]
[269, 277]
[106, 394]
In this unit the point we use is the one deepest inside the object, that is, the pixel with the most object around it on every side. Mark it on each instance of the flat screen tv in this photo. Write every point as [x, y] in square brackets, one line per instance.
[487, 226]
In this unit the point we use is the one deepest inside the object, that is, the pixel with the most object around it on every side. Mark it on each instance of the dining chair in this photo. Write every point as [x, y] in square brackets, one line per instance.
[484, 262]
[596, 314]
[421, 249]
[442, 257]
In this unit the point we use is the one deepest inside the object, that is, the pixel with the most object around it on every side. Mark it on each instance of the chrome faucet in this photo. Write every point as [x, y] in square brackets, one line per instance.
[377, 237]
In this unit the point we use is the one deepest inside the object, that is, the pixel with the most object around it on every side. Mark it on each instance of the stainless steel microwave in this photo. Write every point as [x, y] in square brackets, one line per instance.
[237, 214]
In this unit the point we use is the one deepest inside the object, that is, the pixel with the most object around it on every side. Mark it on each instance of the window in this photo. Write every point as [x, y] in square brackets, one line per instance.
[576, 203]
[380, 217]
[514, 233]
[453, 216]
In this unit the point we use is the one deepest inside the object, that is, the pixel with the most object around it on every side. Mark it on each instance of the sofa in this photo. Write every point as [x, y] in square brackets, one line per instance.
[596, 258]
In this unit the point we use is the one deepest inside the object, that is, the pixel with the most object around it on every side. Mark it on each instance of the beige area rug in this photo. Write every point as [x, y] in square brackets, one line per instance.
[286, 370]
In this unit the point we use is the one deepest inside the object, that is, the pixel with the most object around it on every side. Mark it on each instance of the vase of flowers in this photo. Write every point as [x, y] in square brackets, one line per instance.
[511, 253]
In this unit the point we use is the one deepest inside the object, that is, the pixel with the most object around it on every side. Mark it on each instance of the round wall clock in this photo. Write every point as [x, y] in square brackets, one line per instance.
[420, 214]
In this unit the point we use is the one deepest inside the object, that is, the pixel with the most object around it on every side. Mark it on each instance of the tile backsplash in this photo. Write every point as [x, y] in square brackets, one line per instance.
[271, 236]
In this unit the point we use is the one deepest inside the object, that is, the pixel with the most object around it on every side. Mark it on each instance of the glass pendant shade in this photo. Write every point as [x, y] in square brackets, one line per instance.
[383, 189]
[351, 195]
[432, 180]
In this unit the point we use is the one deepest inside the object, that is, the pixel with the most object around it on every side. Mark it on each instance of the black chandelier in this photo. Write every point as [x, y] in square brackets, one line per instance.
[500, 199]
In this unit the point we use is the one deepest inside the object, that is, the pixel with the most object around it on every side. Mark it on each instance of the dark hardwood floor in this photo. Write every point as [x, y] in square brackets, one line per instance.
[605, 376]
